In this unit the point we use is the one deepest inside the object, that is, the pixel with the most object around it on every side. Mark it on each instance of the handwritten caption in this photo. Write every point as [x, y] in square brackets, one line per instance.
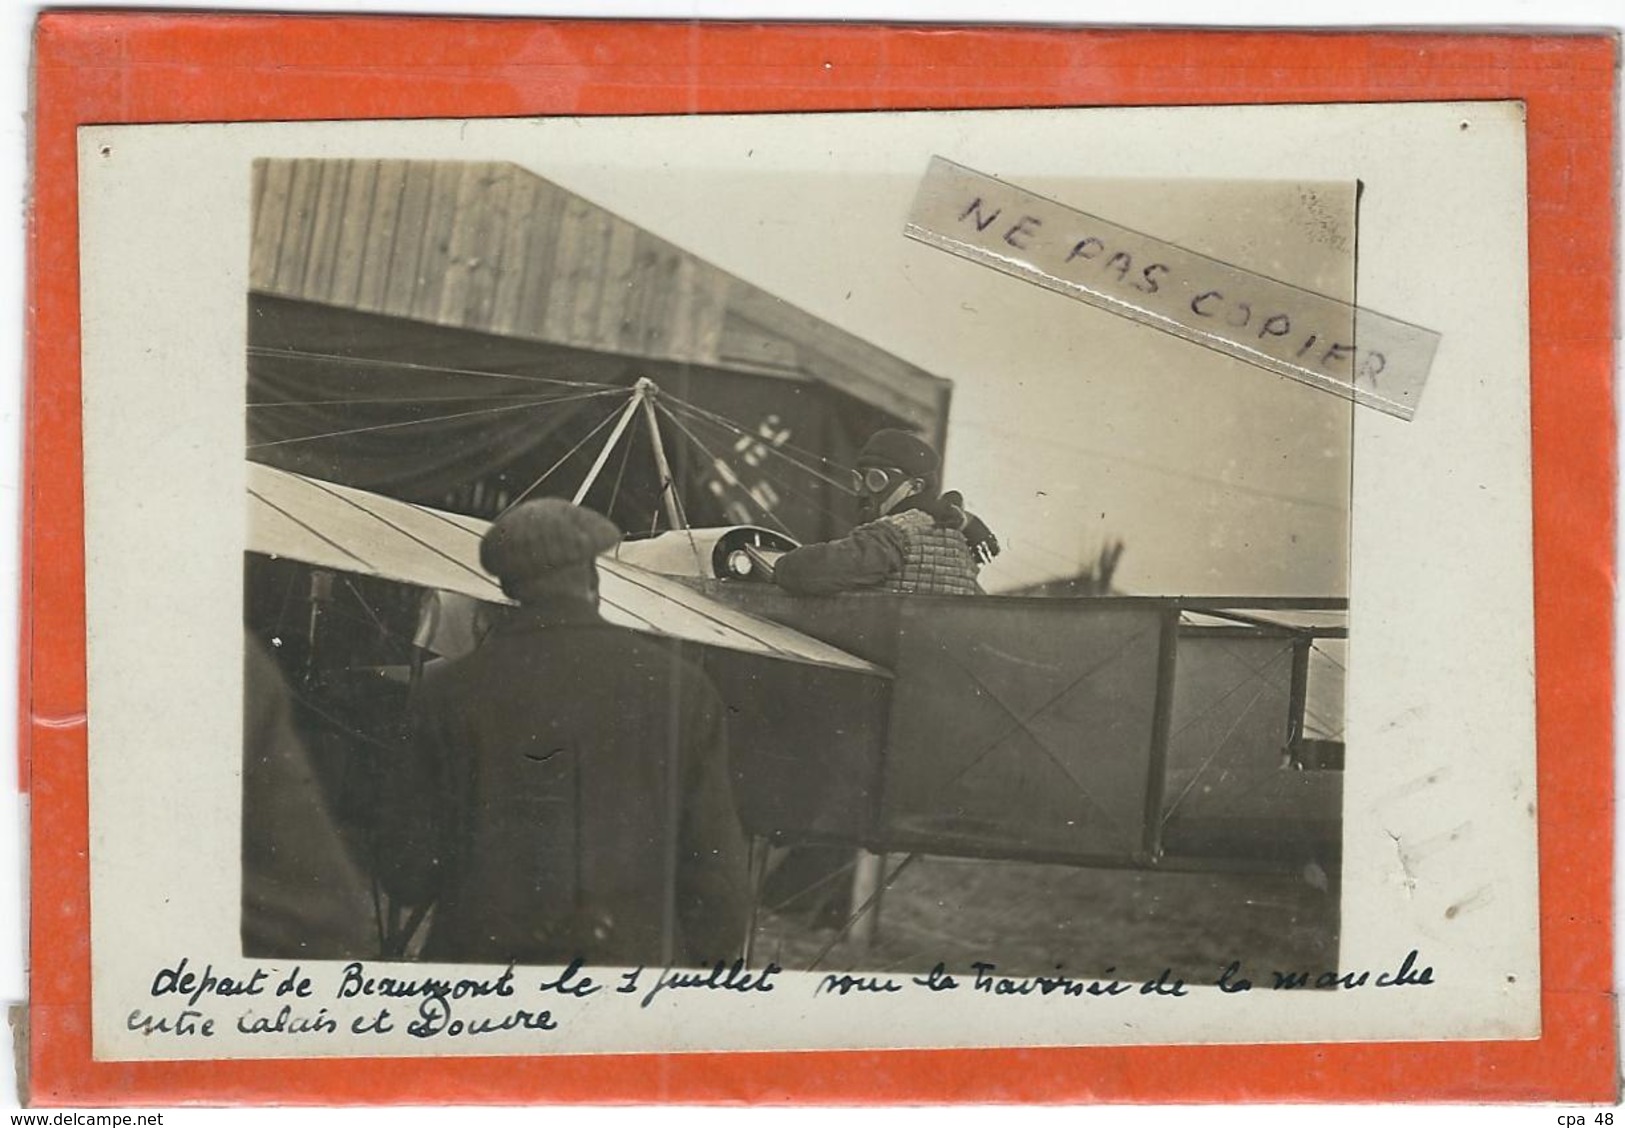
[353, 999]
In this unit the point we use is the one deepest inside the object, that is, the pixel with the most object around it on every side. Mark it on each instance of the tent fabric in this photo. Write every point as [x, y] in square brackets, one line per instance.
[334, 526]
[465, 421]
[412, 432]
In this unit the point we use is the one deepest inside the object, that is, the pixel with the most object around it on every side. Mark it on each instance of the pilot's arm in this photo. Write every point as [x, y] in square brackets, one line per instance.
[861, 559]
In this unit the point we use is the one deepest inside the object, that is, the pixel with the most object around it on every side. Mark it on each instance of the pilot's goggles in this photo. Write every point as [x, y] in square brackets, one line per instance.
[874, 479]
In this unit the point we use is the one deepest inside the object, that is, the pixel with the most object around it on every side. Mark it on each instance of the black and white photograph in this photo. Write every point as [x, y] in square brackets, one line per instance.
[701, 583]
[604, 604]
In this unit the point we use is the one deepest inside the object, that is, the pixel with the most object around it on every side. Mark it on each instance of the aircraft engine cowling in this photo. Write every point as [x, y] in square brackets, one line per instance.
[708, 554]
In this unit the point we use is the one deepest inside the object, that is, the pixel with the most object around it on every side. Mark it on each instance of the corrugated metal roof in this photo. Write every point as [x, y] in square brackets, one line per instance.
[682, 308]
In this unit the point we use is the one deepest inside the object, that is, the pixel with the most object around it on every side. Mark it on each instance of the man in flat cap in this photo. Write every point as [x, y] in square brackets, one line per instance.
[567, 793]
[913, 539]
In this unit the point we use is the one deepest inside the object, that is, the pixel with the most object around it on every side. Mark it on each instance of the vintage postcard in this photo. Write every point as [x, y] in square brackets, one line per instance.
[1018, 578]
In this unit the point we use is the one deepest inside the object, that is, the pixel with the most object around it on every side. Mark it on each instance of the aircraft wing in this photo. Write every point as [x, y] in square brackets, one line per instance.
[353, 530]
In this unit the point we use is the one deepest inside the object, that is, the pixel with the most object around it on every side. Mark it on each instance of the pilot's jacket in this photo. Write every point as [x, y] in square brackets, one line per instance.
[908, 551]
[552, 772]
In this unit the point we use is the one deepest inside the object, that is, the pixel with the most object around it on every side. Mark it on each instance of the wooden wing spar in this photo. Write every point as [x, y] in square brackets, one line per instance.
[352, 530]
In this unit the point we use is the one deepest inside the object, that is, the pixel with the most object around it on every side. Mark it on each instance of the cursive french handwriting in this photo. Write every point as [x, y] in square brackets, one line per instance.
[193, 986]
[269, 1000]
[722, 977]
[357, 982]
[435, 1018]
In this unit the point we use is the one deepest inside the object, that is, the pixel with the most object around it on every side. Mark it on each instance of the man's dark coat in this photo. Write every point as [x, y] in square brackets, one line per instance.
[566, 778]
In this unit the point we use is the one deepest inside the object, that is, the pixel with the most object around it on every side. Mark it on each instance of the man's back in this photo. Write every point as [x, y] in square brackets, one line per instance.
[566, 768]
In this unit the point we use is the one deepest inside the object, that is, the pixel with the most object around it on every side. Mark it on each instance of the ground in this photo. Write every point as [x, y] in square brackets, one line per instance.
[1032, 919]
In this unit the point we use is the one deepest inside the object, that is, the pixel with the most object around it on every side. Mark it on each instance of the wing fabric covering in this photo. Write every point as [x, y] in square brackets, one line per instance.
[351, 530]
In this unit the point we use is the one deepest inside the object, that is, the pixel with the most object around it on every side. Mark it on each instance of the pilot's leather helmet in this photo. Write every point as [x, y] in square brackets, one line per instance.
[908, 453]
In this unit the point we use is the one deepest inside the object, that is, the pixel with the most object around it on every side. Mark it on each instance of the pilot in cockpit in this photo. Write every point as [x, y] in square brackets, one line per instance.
[913, 539]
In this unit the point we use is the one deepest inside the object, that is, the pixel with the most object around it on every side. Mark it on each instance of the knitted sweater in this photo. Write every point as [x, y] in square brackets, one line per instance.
[902, 552]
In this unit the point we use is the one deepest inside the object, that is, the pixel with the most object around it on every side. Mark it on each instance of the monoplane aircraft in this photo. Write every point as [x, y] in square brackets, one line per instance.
[1108, 731]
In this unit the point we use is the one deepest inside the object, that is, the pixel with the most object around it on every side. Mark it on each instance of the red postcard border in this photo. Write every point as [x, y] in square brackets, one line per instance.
[129, 67]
